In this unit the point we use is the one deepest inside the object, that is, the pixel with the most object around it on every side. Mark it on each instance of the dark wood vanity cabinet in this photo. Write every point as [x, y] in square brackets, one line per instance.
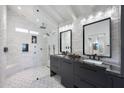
[90, 76]
[80, 75]
[76, 74]
[64, 68]
[116, 81]
[55, 65]
[67, 73]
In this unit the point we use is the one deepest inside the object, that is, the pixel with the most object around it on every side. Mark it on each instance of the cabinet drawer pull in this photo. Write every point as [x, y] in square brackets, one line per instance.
[91, 69]
[68, 62]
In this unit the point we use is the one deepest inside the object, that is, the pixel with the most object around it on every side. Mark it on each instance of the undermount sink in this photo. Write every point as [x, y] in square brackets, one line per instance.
[93, 61]
[60, 55]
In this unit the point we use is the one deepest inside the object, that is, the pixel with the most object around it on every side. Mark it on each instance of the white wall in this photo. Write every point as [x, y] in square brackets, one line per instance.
[16, 59]
[3, 38]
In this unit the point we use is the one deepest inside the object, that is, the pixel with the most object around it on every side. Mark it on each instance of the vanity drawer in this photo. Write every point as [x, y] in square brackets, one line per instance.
[94, 75]
[98, 77]
[67, 70]
[82, 83]
[55, 64]
[77, 68]
[67, 73]
[118, 82]
[66, 83]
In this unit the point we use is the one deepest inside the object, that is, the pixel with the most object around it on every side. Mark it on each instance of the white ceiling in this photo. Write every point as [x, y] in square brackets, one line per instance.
[53, 15]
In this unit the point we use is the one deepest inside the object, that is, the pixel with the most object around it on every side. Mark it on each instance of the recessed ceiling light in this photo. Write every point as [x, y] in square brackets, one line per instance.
[19, 8]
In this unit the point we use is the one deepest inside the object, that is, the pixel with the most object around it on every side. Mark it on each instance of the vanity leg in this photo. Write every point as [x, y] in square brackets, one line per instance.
[52, 73]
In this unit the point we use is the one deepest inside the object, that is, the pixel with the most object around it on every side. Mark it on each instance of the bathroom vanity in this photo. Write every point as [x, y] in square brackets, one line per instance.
[76, 73]
[84, 74]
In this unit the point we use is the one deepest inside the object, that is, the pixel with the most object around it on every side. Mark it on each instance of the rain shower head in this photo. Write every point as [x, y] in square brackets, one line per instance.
[43, 26]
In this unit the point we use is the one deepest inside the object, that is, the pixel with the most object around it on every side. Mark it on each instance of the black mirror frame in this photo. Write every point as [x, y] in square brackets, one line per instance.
[70, 40]
[109, 18]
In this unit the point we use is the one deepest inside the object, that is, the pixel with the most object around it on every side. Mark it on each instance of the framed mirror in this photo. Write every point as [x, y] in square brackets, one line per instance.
[66, 41]
[97, 38]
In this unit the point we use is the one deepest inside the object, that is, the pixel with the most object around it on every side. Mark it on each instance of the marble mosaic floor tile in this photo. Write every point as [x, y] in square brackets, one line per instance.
[28, 79]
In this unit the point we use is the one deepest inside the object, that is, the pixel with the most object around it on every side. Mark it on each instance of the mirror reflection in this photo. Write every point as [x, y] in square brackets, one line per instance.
[65, 41]
[97, 38]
